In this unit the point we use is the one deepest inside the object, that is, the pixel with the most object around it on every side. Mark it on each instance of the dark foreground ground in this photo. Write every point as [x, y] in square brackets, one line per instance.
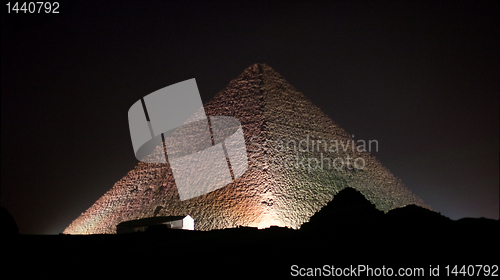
[348, 231]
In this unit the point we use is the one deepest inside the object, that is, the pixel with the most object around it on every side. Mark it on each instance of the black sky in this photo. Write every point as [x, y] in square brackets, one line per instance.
[420, 77]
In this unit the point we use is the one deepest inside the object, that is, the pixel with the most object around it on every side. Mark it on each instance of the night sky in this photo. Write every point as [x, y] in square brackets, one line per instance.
[422, 78]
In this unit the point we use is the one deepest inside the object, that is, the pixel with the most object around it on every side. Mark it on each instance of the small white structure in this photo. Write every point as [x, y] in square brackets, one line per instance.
[174, 222]
[182, 222]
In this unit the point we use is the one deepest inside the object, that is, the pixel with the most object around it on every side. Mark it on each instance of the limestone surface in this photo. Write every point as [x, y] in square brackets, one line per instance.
[297, 163]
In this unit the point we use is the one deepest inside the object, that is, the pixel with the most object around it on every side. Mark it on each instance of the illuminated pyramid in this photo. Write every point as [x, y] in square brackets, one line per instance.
[295, 155]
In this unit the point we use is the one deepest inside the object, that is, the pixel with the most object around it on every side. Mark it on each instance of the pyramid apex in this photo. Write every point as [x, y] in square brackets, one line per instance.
[259, 64]
[259, 68]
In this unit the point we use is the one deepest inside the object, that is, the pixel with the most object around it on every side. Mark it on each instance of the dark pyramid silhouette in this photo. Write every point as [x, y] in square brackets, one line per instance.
[348, 207]
[280, 187]
[9, 226]
[351, 214]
